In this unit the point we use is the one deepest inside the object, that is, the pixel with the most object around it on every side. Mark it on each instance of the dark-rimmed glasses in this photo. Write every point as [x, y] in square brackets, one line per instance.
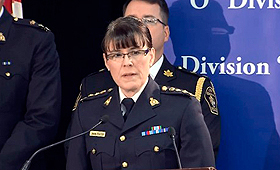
[133, 54]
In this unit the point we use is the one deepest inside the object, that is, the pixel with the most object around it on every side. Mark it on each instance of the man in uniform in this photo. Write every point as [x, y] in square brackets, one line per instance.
[155, 14]
[135, 137]
[29, 90]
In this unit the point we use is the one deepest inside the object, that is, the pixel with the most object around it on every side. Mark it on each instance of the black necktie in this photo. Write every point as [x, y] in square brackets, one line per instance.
[128, 104]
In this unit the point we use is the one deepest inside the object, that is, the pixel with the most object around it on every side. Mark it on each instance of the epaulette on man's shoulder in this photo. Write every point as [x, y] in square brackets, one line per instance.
[174, 90]
[31, 23]
[191, 72]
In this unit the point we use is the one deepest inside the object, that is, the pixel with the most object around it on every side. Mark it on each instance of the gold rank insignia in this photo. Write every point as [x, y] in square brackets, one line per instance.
[100, 134]
[107, 102]
[153, 101]
[210, 97]
[2, 37]
[168, 73]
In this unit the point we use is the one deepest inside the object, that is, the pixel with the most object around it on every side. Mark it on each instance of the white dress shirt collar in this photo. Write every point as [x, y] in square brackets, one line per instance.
[1, 11]
[155, 68]
[136, 95]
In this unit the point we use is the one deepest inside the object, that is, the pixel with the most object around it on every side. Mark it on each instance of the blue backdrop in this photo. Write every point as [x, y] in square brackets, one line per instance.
[237, 44]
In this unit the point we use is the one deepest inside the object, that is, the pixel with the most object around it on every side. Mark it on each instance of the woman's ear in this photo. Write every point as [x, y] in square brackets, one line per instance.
[105, 61]
[153, 55]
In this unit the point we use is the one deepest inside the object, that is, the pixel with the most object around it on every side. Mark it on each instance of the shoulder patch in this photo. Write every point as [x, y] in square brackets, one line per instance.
[174, 90]
[211, 99]
[96, 95]
[30, 23]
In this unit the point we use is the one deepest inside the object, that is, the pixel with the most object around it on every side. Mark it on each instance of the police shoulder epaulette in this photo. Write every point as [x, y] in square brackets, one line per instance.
[174, 90]
[97, 72]
[31, 23]
[92, 96]
[187, 71]
[102, 70]
[191, 72]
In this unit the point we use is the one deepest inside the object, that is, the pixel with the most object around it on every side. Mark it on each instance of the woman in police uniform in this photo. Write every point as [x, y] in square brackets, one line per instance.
[136, 137]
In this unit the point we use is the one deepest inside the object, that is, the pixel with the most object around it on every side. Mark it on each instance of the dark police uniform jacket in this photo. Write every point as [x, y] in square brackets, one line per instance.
[170, 75]
[131, 144]
[29, 90]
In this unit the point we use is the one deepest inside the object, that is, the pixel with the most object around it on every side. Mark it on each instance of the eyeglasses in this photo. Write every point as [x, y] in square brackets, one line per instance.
[134, 55]
[152, 21]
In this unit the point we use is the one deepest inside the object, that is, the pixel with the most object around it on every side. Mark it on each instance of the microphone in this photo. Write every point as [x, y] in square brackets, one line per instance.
[103, 119]
[172, 133]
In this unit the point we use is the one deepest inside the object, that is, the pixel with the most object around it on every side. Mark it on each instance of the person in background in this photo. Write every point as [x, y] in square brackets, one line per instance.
[154, 13]
[139, 110]
[30, 92]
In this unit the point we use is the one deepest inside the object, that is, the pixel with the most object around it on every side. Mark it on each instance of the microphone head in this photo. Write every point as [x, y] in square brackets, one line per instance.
[104, 118]
[171, 132]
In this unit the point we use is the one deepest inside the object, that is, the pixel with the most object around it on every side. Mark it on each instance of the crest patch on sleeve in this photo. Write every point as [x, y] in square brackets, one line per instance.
[211, 99]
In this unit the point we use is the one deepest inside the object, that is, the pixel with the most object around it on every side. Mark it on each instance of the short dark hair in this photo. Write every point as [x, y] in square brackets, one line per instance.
[126, 32]
[164, 11]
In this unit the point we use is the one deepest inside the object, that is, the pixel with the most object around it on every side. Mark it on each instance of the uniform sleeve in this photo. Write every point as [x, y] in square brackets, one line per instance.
[211, 114]
[40, 123]
[195, 147]
[66, 144]
[76, 155]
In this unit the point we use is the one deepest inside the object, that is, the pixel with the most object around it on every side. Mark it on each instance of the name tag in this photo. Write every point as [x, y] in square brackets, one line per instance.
[100, 134]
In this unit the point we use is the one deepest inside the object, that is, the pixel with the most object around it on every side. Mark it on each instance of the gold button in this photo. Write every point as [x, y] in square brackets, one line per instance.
[156, 148]
[8, 74]
[15, 19]
[164, 88]
[122, 138]
[93, 151]
[124, 165]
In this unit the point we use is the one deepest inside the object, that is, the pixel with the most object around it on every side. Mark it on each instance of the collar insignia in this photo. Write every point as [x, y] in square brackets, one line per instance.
[168, 73]
[2, 37]
[153, 101]
[107, 102]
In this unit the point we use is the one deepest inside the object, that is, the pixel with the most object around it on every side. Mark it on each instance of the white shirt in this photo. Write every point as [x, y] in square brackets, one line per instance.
[134, 97]
[1, 11]
[155, 68]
